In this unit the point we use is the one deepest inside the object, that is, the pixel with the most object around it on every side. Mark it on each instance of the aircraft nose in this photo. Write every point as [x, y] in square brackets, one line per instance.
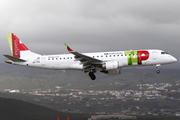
[173, 59]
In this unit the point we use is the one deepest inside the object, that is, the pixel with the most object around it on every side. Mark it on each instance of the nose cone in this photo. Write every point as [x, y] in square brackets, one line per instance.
[173, 59]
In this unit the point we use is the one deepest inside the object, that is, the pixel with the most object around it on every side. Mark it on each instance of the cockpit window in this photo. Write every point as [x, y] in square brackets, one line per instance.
[164, 53]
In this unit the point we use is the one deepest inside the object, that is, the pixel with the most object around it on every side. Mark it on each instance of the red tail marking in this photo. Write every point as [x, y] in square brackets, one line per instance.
[17, 46]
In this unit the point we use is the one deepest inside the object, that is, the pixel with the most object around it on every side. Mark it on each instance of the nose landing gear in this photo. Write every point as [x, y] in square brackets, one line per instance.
[92, 76]
[157, 69]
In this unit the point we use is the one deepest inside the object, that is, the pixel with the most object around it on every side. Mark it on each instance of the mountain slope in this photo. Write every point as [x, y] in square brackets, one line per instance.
[12, 109]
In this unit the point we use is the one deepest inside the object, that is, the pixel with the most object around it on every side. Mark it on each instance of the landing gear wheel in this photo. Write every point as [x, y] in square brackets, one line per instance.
[157, 68]
[158, 71]
[92, 76]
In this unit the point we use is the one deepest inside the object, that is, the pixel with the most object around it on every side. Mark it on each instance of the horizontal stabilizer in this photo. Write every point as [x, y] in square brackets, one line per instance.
[14, 59]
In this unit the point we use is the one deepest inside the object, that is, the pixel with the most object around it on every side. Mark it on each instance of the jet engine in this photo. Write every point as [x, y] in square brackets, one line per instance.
[111, 65]
[111, 72]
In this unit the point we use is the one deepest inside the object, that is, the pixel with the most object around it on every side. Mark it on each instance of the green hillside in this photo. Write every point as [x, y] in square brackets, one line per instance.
[12, 109]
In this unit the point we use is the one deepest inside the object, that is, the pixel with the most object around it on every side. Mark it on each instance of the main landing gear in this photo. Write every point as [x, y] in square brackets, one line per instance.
[92, 76]
[157, 69]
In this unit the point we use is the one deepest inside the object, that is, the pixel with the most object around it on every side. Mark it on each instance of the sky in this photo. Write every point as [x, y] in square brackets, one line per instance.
[91, 25]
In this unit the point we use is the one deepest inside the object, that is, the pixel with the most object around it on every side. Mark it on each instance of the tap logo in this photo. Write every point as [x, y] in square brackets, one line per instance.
[15, 47]
[136, 57]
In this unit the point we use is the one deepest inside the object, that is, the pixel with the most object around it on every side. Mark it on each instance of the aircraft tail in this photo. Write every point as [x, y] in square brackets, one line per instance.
[18, 49]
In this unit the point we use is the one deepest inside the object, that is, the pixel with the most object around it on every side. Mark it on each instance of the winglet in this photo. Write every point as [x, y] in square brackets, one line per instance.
[68, 48]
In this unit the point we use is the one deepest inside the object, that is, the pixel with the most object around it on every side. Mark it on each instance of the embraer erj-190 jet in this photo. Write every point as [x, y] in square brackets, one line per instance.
[105, 62]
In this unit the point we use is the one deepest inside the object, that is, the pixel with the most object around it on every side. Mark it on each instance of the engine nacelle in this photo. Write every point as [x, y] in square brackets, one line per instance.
[111, 65]
[112, 72]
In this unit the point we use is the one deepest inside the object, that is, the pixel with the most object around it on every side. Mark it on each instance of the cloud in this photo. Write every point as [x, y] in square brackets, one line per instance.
[89, 26]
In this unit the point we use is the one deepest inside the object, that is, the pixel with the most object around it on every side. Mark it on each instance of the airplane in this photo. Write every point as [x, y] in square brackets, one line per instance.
[106, 62]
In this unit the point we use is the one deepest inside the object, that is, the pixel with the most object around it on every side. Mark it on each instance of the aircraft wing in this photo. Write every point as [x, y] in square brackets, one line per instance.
[87, 61]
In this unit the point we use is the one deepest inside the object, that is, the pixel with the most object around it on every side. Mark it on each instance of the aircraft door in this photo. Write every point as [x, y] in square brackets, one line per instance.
[43, 61]
[154, 55]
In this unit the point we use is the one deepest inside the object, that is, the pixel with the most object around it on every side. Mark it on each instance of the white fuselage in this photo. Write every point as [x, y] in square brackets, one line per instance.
[124, 58]
[105, 62]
